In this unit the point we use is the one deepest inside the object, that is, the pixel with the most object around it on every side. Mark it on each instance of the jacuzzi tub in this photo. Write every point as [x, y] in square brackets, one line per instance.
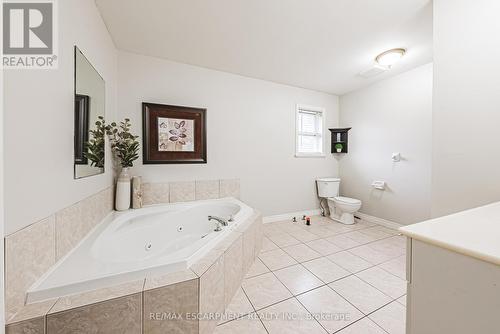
[128, 246]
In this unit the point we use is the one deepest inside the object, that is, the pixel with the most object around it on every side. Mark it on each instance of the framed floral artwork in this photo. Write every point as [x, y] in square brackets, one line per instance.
[173, 134]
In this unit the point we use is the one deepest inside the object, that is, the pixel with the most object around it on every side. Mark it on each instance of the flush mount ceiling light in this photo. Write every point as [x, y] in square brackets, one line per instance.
[389, 57]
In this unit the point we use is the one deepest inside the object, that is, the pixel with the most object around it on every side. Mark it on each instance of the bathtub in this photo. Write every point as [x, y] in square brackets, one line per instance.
[131, 245]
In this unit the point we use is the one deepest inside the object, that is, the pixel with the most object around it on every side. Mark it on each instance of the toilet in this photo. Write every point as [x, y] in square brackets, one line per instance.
[342, 209]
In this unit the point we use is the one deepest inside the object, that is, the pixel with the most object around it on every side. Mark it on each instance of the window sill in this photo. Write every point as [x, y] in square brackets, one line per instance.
[304, 155]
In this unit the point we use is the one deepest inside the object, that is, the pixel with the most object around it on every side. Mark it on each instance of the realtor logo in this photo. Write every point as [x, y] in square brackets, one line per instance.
[29, 34]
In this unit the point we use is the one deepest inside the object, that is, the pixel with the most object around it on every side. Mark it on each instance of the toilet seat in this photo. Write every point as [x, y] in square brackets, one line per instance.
[346, 200]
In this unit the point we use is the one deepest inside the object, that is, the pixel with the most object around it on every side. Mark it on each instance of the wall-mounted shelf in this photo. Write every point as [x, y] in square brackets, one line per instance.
[339, 136]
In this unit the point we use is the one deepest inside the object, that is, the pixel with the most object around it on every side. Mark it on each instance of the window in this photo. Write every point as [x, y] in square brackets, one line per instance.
[309, 132]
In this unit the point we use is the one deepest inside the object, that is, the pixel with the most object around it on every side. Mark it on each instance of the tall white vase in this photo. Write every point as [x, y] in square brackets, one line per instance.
[122, 200]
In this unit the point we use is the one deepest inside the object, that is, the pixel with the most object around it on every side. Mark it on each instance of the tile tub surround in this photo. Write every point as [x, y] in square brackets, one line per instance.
[144, 306]
[172, 192]
[30, 252]
[338, 275]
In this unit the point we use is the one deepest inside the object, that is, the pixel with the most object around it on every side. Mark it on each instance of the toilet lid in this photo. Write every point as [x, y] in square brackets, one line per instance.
[347, 200]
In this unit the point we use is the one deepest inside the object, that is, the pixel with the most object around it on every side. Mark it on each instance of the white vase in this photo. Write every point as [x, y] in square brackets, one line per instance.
[122, 200]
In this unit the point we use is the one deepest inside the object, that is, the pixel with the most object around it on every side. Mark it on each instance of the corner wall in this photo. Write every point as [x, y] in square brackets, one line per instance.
[393, 115]
[39, 108]
[250, 130]
[466, 116]
[2, 199]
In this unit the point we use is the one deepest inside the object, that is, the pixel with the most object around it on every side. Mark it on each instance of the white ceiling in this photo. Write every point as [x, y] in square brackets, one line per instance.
[315, 44]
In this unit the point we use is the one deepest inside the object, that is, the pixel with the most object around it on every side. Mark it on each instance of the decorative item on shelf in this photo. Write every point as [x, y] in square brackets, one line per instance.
[339, 140]
[339, 147]
[122, 200]
[125, 148]
[136, 192]
[94, 148]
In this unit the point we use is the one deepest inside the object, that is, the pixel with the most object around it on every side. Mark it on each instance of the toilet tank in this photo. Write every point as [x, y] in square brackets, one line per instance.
[328, 187]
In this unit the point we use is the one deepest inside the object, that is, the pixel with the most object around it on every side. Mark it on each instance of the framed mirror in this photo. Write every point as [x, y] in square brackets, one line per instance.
[89, 109]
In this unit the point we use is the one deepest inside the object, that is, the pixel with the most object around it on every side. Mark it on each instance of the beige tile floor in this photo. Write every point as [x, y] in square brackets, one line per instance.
[323, 278]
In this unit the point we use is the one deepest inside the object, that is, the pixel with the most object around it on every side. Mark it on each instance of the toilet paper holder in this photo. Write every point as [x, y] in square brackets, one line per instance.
[379, 185]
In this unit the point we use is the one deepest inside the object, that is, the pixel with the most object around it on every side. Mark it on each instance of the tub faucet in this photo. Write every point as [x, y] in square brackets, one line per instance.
[220, 221]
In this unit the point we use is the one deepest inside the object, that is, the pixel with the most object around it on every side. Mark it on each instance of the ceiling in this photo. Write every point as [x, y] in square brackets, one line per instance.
[316, 44]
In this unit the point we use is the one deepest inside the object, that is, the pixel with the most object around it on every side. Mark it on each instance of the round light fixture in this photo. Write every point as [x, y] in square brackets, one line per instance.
[389, 57]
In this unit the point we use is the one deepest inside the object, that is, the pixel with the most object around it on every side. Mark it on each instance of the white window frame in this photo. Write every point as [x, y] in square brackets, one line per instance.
[320, 110]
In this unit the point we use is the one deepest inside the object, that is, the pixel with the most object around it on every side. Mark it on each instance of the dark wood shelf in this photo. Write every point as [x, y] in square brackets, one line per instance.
[340, 136]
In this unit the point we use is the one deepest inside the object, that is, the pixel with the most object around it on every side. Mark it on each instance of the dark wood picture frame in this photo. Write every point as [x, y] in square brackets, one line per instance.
[82, 110]
[150, 152]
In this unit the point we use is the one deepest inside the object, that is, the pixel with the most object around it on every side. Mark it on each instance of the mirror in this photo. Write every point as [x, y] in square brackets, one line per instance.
[89, 107]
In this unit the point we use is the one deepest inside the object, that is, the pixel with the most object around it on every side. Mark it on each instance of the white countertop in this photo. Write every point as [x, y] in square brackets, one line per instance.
[474, 232]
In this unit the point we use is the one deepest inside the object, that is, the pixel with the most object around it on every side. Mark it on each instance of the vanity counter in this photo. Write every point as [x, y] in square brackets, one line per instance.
[453, 270]
[474, 232]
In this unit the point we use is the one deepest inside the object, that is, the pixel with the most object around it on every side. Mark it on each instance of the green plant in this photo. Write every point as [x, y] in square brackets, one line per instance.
[124, 144]
[339, 146]
[94, 148]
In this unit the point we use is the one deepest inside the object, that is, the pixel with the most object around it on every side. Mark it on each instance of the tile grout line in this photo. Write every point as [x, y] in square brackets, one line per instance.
[373, 286]
[295, 296]
[255, 311]
[387, 271]
[326, 256]
[270, 271]
[369, 313]
[327, 284]
[242, 315]
[341, 278]
[350, 273]
[353, 273]
[333, 291]
[364, 317]
[298, 300]
[334, 235]
[378, 309]
[246, 295]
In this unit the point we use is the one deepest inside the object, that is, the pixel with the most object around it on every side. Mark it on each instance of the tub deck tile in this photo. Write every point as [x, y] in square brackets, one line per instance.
[233, 269]
[32, 326]
[228, 241]
[96, 296]
[31, 311]
[180, 299]
[122, 315]
[201, 266]
[207, 286]
[153, 282]
[212, 295]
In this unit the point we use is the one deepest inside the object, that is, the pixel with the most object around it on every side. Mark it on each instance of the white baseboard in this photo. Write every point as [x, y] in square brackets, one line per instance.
[378, 221]
[289, 216]
[315, 212]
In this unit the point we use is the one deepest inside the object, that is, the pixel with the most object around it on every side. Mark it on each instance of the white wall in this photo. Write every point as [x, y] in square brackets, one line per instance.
[250, 129]
[466, 116]
[2, 199]
[39, 112]
[394, 115]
